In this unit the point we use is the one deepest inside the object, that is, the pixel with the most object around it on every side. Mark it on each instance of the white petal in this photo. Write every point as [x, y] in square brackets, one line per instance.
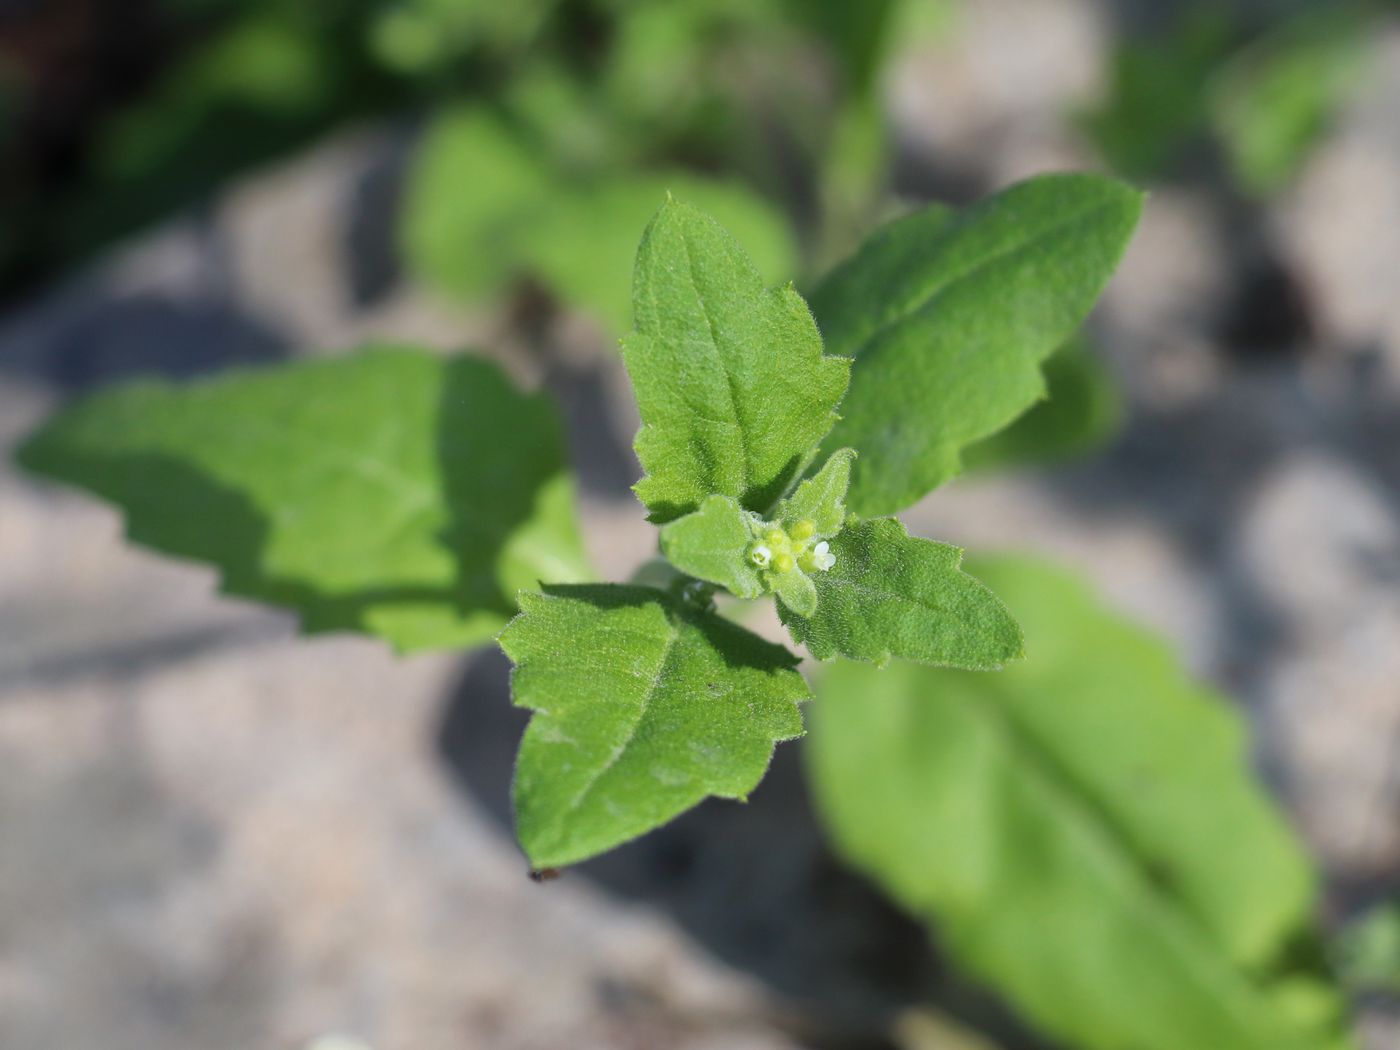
[821, 548]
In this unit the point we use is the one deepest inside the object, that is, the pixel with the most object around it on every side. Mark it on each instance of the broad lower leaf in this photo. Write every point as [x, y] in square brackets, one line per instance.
[1080, 413]
[821, 499]
[393, 492]
[948, 317]
[733, 388]
[487, 205]
[1083, 831]
[711, 543]
[892, 594]
[643, 707]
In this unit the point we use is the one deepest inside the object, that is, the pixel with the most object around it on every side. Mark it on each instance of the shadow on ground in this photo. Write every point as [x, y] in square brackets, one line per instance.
[753, 884]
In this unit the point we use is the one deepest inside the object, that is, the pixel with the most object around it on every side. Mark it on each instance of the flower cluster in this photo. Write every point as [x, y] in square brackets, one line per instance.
[779, 550]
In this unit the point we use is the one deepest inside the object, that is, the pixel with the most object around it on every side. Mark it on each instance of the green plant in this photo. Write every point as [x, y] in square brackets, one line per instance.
[379, 493]
[1046, 823]
[1081, 831]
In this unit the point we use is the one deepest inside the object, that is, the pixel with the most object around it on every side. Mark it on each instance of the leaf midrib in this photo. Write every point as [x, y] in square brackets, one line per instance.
[643, 705]
[1173, 917]
[737, 423]
[941, 289]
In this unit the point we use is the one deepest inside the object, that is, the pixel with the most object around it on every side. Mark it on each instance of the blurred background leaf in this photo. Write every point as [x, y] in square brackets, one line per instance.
[391, 492]
[1081, 831]
[1271, 102]
[1367, 951]
[1155, 102]
[485, 208]
[1260, 90]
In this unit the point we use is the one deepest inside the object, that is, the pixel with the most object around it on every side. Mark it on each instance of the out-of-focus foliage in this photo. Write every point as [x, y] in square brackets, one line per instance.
[419, 38]
[1368, 951]
[240, 81]
[250, 93]
[391, 492]
[1271, 103]
[1081, 829]
[656, 85]
[1261, 92]
[486, 205]
[1156, 94]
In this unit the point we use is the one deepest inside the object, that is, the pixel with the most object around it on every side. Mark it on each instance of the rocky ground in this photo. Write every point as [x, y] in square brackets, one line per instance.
[218, 835]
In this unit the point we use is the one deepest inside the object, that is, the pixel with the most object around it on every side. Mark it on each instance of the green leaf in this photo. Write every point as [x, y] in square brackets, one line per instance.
[710, 545]
[796, 591]
[949, 315]
[1082, 829]
[821, 499]
[733, 388]
[393, 492]
[643, 707]
[892, 594]
[487, 204]
[1080, 413]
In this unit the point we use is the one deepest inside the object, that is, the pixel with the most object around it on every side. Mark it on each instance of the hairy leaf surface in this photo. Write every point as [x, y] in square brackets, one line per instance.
[892, 594]
[821, 499]
[733, 388]
[643, 707]
[796, 592]
[710, 545]
[1082, 828]
[392, 492]
[949, 315]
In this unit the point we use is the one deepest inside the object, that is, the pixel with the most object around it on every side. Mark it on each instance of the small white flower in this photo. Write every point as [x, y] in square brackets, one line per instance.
[822, 557]
[761, 555]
